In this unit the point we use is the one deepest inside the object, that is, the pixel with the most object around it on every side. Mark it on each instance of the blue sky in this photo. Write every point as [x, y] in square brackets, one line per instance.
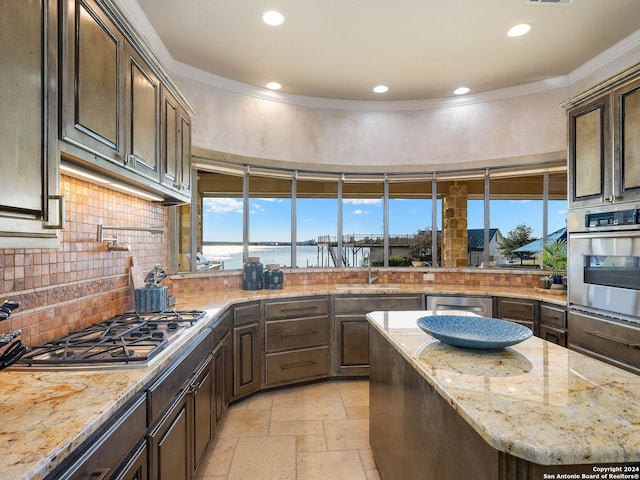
[270, 219]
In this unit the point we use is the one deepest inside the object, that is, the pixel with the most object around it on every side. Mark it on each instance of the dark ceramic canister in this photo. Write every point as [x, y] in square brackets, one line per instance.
[252, 274]
[273, 277]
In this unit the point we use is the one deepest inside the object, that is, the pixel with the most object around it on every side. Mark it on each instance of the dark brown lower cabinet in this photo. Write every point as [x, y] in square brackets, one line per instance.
[247, 360]
[136, 468]
[222, 377]
[169, 444]
[112, 449]
[202, 418]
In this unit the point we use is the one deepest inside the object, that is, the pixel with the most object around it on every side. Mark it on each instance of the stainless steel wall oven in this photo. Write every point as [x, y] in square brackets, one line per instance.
[604, 261]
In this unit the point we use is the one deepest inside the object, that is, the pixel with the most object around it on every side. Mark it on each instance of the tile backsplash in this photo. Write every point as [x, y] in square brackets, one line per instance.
[81, 282]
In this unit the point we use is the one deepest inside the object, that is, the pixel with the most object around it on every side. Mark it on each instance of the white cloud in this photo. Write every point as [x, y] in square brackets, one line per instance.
[363, 201]
[358, 212]
[222, 205]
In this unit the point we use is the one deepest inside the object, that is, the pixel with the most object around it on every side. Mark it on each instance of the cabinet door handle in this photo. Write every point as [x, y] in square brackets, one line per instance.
[614, 339]
[61, 214]
[308, 332]
[297, 365]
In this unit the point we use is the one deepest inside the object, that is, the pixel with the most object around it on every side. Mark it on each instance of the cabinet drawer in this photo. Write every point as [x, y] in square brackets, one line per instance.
[615, 341]
[297, 365]
[517, 310]
[111, 449]
[553, 335]
[296, 308]
[175, 379]
[555, 317]
[249, 313]
[371, 303]
[301, 333]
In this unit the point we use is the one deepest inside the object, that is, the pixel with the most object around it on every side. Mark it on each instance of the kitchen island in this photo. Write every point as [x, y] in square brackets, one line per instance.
[531, 411]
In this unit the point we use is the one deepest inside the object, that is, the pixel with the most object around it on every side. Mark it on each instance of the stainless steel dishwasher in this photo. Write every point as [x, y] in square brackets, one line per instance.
[450, 304]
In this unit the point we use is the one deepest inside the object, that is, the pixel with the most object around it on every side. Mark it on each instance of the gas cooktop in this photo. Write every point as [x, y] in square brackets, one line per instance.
[126, 340]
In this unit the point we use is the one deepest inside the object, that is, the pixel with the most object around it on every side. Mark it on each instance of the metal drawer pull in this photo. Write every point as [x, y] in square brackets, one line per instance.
[300, 309]
[553, 336]
[99, 474]
[616, 340]
[296, 365]
[308, 332]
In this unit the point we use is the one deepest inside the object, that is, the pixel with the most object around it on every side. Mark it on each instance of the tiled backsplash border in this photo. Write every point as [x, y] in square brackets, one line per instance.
[217, 281]
[81, 282]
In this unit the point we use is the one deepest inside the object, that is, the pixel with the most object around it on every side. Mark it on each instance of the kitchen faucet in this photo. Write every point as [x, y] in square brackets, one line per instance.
[367, 258]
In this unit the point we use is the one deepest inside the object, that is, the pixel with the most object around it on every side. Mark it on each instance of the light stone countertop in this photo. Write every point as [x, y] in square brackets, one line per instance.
[46, 414]
[534, 400]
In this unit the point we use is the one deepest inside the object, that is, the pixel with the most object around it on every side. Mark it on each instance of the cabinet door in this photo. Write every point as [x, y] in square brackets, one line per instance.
[352, 335]
[143, 105]
[93, 103]
[176, 144]
[627, 141]
[169, 445]
[247, 360]
[203, 413]
[589, 152]
[136, 468]
[184, 152]
[28, 102]
[220, 380]
[170, 122]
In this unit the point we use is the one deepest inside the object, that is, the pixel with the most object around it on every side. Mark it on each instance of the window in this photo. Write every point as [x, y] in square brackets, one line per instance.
[308, 218]
[270, 219]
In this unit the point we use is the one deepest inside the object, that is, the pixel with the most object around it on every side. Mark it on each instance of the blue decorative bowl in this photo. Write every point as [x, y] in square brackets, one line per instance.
[474, 332]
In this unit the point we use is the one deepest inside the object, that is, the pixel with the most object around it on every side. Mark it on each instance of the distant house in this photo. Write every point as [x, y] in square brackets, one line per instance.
[475, 246]
[534, 248]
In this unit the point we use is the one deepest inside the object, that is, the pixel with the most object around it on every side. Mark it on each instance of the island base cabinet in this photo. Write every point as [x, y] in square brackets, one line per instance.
[416, 434]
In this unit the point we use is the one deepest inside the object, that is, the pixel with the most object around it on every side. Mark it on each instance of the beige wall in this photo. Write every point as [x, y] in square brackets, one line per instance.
[521, 129]
[522, 125]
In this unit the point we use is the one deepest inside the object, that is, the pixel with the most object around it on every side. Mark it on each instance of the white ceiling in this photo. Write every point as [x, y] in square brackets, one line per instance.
[421, 49]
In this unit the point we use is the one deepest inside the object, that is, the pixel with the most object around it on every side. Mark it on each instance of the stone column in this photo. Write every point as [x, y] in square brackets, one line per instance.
[454, 226]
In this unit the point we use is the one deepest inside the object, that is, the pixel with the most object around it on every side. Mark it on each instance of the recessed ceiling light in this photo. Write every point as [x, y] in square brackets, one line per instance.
[273, 18]
[519, 30]
[273, 86]
[381, 89]
[461, 90]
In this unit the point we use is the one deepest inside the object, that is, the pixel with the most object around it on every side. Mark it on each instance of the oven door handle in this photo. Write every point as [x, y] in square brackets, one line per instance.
[614, 339]
[614, 234]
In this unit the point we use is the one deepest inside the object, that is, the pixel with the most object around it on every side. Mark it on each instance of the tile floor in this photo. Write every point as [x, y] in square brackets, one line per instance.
[317, 431]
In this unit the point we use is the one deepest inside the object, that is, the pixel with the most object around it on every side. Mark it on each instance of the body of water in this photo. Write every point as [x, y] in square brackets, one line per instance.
[231, 255]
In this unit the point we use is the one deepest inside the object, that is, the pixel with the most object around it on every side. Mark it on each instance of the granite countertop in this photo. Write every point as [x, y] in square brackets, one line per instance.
[578, 410]
[46, 414]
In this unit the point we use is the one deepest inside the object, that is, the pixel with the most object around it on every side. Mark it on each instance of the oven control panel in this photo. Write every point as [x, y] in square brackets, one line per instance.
[616, 218]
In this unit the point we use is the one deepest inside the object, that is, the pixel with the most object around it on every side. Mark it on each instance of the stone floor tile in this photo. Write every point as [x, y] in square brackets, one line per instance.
[264, 458]
[219, 459]
[309, 409]
[347, 434]
[330, 465]
[311, 443]
[296, 427]
[246, 423]
[357, 412]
